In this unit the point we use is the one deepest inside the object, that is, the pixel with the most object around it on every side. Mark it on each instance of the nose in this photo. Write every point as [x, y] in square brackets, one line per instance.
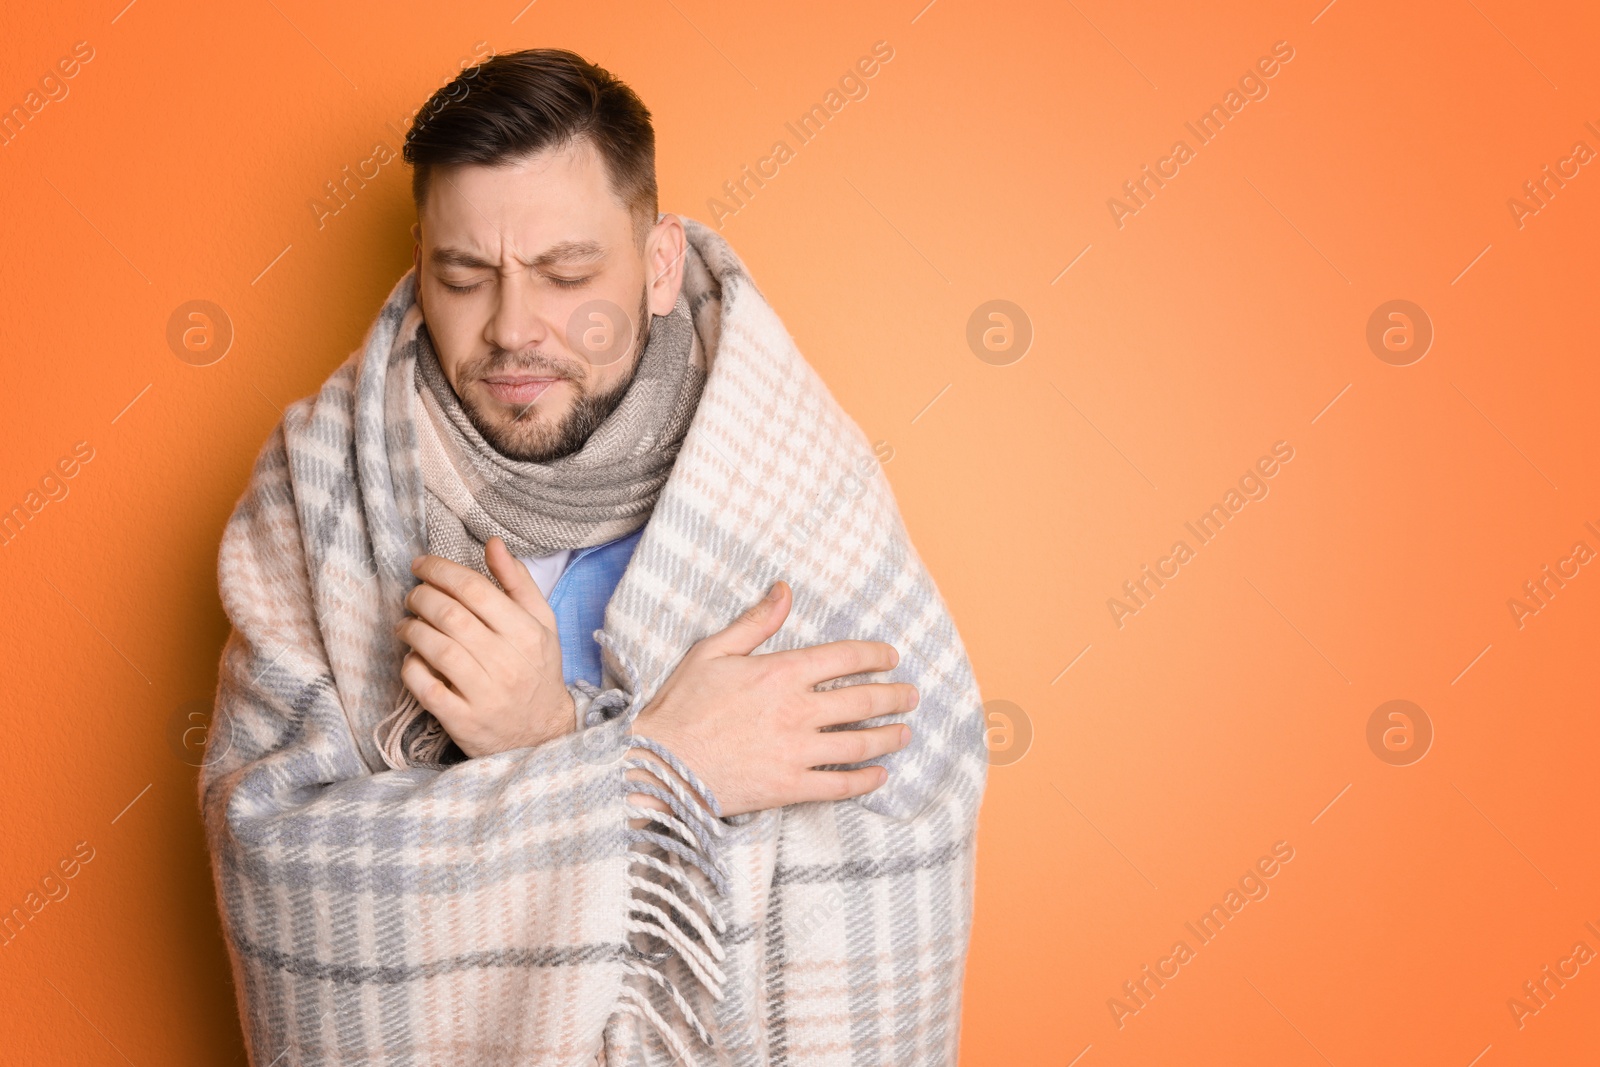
[518, 322]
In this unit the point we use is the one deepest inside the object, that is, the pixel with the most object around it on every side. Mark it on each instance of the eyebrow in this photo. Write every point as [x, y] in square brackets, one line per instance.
[560, 252]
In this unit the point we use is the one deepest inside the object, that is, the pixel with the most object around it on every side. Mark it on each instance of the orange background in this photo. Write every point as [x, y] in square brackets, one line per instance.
[1226, 315]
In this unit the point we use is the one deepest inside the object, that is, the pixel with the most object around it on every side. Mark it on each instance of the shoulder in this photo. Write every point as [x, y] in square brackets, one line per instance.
[313, 430]
[332, 406]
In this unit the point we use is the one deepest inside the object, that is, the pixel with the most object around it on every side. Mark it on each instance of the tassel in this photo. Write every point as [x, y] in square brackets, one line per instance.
[677, 816]
[693, 956]
[684, 1007]
[676, 912]
[635, 1004]
[716, 877]
[428, 743]
[668, 821]
[718, 923]
[644, 885]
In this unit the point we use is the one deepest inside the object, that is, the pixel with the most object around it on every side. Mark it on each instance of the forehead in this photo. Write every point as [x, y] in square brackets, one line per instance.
[558, 194]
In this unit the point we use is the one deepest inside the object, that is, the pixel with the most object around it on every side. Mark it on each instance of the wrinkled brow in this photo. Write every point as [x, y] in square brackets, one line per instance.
[560, 252]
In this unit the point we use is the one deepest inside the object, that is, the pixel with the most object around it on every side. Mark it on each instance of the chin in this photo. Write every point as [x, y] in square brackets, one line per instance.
[535, 447]
[537, 436]
[535, 423]
[549, 410]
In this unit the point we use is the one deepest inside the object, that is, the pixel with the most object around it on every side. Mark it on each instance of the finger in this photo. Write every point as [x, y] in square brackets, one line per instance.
[839, 785]
[513, 576]
[452, 619]
[821, 663]
[743, 635]
[431, 691]
[492, 650]
[834, 747]
[852, 703]
[454, 663]
[497, 610]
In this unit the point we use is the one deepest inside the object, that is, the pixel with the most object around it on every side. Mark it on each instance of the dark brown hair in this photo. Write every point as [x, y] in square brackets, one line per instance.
[516, 104]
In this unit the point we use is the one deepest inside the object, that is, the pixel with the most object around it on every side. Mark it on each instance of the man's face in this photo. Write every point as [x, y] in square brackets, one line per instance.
[537, 296]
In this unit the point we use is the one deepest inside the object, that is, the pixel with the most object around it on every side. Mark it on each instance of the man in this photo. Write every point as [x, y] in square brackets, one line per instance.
[496, 774]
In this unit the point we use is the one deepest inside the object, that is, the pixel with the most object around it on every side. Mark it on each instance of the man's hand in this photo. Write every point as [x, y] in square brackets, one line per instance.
[750, 726]
[487, 664]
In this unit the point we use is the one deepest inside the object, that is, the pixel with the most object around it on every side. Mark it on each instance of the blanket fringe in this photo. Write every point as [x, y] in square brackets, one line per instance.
[634, 1003]
[673, 909]
[410, 736]
[685, 1009]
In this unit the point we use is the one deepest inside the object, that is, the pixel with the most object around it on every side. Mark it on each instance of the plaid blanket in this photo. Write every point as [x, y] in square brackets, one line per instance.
[501, 910]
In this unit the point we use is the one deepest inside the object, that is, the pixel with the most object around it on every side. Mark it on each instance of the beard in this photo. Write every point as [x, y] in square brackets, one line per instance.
[529, 436]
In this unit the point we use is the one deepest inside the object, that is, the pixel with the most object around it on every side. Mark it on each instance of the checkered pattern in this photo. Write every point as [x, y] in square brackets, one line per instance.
[490, 912]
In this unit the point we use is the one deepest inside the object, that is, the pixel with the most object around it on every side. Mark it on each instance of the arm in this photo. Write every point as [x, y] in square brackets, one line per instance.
[947, 762]
[487, 664]
[756, 728]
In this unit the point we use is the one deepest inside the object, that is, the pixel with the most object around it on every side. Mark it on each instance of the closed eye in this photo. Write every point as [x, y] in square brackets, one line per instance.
[564, 283]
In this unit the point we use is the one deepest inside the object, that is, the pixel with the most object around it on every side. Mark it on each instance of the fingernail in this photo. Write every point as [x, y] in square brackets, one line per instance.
[775, 592]
[905, 736]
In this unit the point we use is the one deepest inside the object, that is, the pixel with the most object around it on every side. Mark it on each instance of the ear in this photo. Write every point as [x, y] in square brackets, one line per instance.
[664, 250]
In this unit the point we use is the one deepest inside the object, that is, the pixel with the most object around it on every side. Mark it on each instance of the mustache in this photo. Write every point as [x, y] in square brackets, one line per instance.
[497, 363]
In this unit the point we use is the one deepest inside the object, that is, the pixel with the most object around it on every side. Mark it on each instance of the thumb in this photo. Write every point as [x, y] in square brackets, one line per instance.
[517, 582]
[741, 636]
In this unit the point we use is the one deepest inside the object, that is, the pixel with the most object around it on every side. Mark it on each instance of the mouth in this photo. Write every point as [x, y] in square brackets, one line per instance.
[519, 390]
